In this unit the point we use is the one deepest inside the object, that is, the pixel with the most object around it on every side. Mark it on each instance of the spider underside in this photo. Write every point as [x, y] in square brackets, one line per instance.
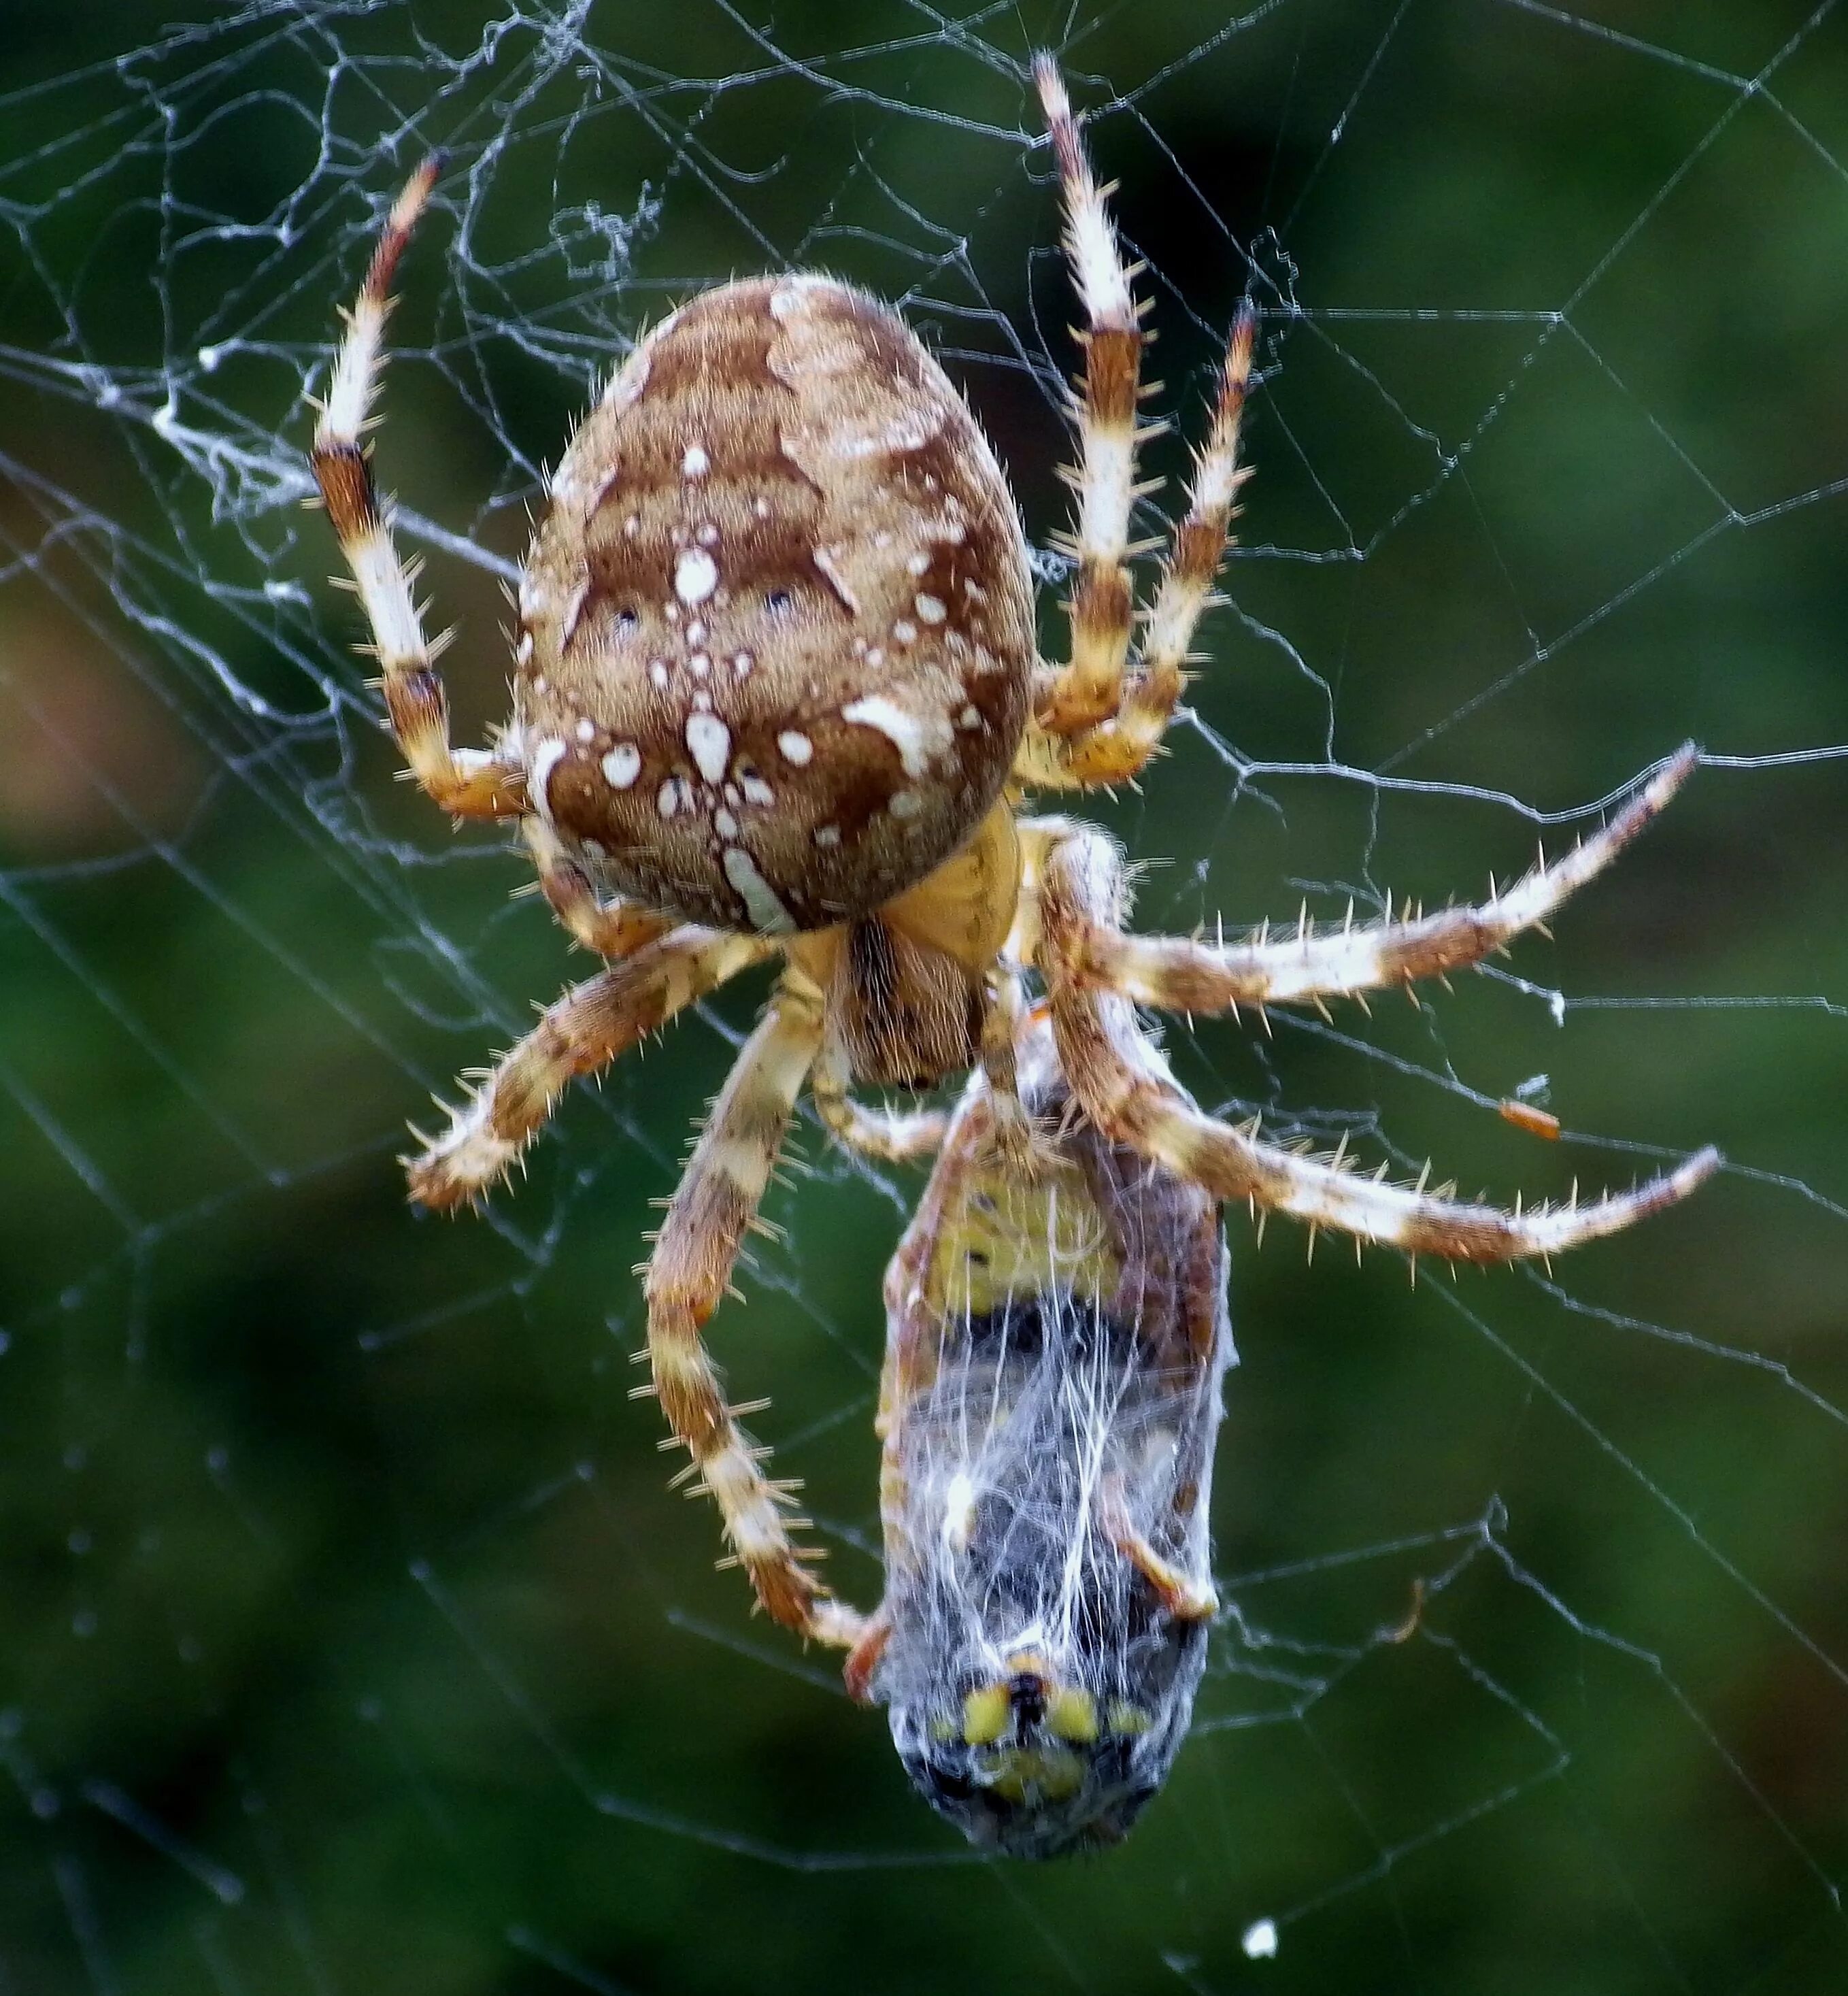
[778, 697]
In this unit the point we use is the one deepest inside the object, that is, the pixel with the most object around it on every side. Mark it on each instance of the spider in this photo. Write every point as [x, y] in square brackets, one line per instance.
[1054, 1349]
[777, 696]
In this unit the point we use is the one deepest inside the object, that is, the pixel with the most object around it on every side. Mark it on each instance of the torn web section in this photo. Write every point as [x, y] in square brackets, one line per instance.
[357, 1627]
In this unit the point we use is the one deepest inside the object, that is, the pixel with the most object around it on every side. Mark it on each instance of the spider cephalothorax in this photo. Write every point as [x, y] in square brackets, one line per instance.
[778, 696]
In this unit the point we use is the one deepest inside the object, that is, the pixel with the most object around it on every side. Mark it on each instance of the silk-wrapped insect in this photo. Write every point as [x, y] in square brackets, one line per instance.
[1056, 1344]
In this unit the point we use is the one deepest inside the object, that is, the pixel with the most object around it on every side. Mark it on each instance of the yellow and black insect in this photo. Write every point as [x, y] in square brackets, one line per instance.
[1055, 1346]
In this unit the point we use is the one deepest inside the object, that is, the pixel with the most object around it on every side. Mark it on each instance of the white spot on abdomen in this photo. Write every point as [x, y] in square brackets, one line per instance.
[797, 747]
[709, 743]
[622, 766]
[544, 759]
[573, 611]
[916, 740]
[696, 463]
[825, 561]
[765, 911]
[696, 576]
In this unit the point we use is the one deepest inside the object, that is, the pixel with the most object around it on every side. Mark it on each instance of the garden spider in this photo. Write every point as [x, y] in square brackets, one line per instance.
[777, 695]
[1051, 1396]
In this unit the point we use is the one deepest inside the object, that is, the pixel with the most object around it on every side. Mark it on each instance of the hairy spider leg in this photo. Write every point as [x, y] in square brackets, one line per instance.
[588, 1027]
[1115, 1073]
[689, 1271]
[1101, 609]
[1118, 747]
[468, 782]
[1179, 974]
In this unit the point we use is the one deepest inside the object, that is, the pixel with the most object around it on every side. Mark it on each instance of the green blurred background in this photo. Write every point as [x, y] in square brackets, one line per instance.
[348, 1639]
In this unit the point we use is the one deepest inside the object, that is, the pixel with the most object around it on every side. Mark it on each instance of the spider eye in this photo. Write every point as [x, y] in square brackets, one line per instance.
[778, 602]
[627, 620]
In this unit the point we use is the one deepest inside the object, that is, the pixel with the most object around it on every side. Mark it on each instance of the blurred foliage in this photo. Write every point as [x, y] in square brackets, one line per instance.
[348, 1638]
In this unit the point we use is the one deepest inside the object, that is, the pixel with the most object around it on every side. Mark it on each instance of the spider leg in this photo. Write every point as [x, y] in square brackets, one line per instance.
[1101, 608]
[586, 1029]
[1117, 747]
[1180, 975]
[470, 784]
[611, 928]
[1185, 1599]
[894, 1136]
[687, 1274]
[1114, 1073]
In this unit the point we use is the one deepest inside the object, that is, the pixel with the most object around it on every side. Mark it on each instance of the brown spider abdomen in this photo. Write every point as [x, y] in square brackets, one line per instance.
[777, 628]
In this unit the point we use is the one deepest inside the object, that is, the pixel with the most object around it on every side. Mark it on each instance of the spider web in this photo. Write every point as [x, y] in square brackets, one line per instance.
[352, 1640]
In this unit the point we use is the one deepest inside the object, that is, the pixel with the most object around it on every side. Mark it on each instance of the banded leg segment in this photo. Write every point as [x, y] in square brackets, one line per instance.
[1179, 975]
[1102, 607]
[687, 1274]
[586, 1029]
[470, 783]
[1118, 747]
[1114, 1071]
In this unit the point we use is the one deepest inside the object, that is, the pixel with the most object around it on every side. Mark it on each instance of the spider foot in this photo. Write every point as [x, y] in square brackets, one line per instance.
[863, 1658]
[1185, 1600]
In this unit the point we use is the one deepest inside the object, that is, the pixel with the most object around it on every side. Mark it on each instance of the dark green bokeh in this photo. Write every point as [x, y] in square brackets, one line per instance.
[348, 1638]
